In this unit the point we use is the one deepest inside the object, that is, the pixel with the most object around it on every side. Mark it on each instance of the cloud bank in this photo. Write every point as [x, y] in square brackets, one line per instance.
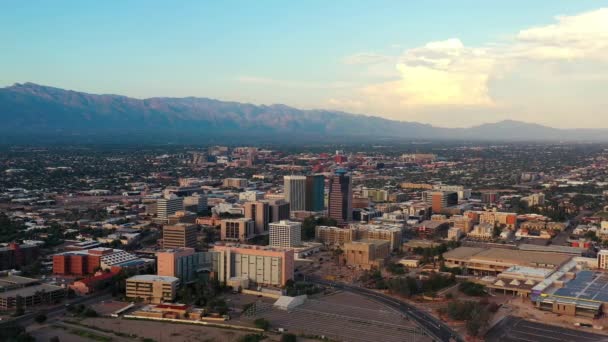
[548, 74]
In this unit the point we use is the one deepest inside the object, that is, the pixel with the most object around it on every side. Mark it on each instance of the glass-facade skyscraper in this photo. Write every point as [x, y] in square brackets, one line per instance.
[315, 193]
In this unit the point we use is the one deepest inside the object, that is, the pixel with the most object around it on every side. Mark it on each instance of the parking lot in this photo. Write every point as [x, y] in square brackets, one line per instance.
[512, 329]
[345, 317]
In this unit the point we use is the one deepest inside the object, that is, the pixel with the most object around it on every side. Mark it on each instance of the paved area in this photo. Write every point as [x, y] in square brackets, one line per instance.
[345, 317]
[108, 307]
[515, 329]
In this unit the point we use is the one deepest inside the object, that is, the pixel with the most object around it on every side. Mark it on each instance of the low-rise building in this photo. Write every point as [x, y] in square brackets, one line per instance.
[454, 234]
[492, 261]
[430, 228]
[88, 261]
[94, 283]
[388, 232]
[31, 292]
[366, 253]
[152, 288]
[235, 183]
[482, 231]
[333, 236]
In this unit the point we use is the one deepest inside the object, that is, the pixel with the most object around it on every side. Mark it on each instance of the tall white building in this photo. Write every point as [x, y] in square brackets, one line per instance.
[295, 192]
[169, 206]
[285, 234]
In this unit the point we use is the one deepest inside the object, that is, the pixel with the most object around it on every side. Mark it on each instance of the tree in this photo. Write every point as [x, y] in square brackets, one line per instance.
[88, 312]
[308, 228]
[479, 320]
[251, 338]
[262, 323]
[40, 318]
[400, 286]
[310, 224]
[71, 293]
[289, 338]
[472, 289]
[496, 231]
[395, 268]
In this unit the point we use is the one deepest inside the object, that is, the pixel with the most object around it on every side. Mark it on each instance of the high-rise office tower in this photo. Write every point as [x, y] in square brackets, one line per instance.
[315, 193]
[439, 200]
[237, 229]
[278, 210]
[196, 203]
[259, 213]
[489, 197]
[169, 206]
[295, 192]
[340, 197]
[179, 235]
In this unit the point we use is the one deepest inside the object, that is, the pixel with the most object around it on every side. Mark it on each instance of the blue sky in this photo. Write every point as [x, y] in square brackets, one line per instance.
[359, 56]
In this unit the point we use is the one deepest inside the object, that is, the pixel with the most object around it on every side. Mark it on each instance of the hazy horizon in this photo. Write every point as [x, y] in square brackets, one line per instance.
[284, 104]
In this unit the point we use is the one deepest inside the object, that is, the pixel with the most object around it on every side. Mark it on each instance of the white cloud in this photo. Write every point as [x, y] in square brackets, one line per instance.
[579, 36]
[439, 73]
[572, 52]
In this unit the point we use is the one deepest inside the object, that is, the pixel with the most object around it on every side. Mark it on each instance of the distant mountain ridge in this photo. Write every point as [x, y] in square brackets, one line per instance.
[32, 109]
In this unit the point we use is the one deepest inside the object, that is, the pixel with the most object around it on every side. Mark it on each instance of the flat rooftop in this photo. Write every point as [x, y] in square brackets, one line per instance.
[152, 277]
[552, 248]
[29, 291]
[529, 271]
[13, 280]
[374, 242]
[508, 256]
[588, 285]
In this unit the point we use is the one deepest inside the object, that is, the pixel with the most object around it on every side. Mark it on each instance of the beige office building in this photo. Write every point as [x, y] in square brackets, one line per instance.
[235, 183]
[387, 232]
[237, 229]
[366, 253]
[259, 212]
[152, 288]
[329, 235]
[179, 235]
[463, 223]
[376, 195]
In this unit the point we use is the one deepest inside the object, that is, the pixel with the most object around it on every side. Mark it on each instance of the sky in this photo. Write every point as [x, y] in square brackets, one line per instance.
[448, 63]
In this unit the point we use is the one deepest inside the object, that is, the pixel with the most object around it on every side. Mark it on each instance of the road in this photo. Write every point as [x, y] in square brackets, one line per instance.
[431, 325]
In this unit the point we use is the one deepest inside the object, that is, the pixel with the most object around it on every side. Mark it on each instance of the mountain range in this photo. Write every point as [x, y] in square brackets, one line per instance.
[30, 110]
